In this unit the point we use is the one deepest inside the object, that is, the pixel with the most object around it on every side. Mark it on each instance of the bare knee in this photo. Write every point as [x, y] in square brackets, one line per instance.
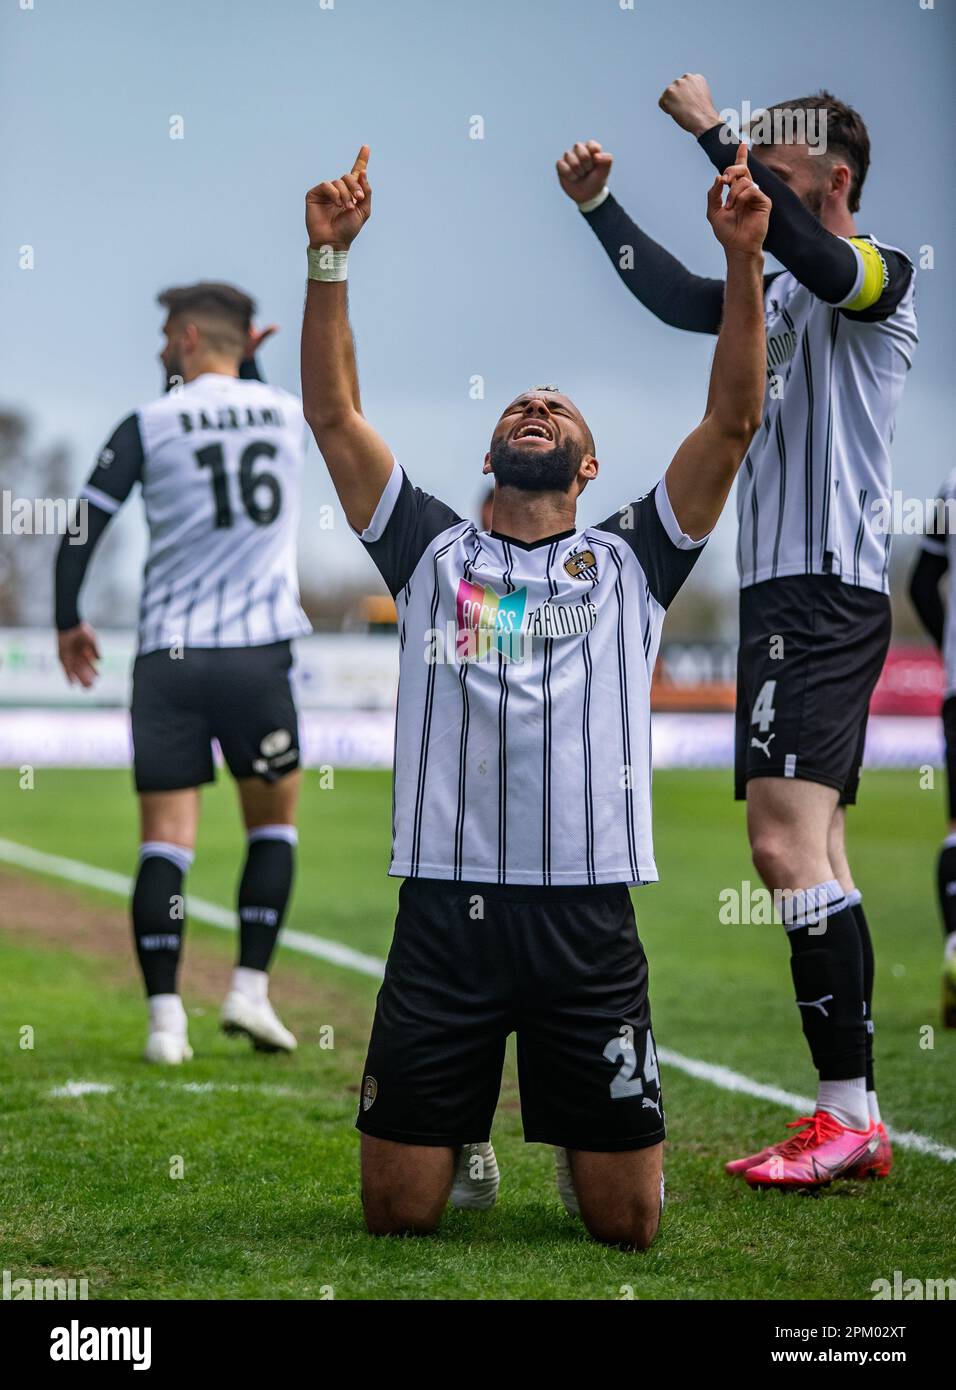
[400, 1214]
[404, 1187]
[633, 1230]
[772, 854]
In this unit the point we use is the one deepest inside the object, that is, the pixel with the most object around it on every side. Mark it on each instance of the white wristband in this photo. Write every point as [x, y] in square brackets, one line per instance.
[596, 201]
[325, 263]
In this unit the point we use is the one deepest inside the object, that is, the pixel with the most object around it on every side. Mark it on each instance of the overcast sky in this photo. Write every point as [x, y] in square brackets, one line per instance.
[474, 263]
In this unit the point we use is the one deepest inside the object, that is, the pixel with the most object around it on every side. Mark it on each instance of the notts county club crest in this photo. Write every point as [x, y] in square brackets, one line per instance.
[369, 1092]
[581, 564]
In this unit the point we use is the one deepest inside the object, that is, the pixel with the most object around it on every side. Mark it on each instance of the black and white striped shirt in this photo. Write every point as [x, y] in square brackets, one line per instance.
[522, 741]
[220, 464]
[816, 484]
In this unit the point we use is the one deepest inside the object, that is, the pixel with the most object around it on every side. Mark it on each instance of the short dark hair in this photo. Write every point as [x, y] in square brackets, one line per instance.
[846, 133]
[213, 299]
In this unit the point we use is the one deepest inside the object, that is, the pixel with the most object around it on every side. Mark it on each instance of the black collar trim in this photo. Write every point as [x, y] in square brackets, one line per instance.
[533, 545]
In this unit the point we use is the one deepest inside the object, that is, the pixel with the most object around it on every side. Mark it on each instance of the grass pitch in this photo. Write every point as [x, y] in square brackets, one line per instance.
[267, 1204]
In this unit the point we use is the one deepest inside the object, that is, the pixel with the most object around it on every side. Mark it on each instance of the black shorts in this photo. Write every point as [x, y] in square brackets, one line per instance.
[949, 735]
[238, 695]
[563, 968]
[811, 651]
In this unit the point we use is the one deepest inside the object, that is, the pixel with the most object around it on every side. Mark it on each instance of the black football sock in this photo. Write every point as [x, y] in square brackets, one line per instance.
[946, 884]
[264, 892]
[855, 903]
[827, 967]
[158, 911]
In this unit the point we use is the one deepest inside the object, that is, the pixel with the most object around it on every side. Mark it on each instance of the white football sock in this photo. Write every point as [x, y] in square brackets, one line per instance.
[950, 948]
[167, 1015]
[252, 984]
[874, 1107]
[845, 1101]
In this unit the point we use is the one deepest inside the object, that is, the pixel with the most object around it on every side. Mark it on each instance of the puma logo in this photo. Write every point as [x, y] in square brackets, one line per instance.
[764, 747]
[648, 1104]
[816, 1003]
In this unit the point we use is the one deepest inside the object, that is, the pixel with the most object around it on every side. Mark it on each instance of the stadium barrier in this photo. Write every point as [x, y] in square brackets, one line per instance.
[345, 685]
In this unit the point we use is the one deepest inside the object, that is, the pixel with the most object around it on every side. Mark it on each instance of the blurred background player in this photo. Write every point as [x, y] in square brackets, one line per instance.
[935, 558]
[522, 799]
[219, 460]
[812, 558]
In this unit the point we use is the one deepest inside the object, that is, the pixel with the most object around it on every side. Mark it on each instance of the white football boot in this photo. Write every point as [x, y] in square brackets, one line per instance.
[565, 1182]
[167, 1044]
[476, 1178]
[246, 1011]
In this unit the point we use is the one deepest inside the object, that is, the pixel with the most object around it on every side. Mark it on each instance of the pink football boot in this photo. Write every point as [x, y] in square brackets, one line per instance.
[822, 1150]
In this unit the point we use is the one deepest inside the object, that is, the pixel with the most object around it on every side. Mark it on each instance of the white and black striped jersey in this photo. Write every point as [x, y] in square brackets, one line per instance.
[941, 541]
[220, 463]
[816, 483]
[522, 740]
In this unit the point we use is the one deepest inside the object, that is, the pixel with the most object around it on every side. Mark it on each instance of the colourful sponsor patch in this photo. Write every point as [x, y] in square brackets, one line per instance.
[487, 620]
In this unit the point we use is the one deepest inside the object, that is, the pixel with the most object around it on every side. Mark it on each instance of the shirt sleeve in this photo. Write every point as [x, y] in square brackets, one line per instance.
[824, 263]
[405, 523]
[664, 552]
[662, 283]
[118, 468]
[882, 279]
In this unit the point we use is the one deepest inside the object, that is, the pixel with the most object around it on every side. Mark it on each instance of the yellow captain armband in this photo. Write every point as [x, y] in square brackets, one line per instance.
[875, 275]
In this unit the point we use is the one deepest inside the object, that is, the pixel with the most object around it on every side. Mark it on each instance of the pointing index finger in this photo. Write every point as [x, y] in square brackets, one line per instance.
[361, 161]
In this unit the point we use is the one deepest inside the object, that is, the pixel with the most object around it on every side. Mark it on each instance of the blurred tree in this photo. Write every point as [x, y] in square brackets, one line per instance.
[28, 472]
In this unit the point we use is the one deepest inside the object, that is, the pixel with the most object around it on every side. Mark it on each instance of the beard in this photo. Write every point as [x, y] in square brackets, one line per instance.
[813, 200]
[553, 470]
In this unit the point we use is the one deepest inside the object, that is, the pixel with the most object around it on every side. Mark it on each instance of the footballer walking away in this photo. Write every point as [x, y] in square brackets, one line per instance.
[522, 806]
[219, 460]
[813, 558]
[937, 555]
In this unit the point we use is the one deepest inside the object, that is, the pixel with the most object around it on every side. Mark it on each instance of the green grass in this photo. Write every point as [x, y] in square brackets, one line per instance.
[268, 1205]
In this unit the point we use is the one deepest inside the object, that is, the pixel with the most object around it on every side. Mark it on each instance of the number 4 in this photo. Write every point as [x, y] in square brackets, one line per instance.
[763, 713]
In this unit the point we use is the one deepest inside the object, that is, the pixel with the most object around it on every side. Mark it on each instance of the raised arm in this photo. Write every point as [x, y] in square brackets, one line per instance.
[661, 282]
[704, 467]
[851, 274]
[358, 459]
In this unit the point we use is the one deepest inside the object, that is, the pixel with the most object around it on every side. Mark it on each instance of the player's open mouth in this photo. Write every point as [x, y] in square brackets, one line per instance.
[533, 429]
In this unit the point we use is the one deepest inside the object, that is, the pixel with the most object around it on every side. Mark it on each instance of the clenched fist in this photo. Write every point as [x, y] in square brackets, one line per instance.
[689, 102]
[583, 171]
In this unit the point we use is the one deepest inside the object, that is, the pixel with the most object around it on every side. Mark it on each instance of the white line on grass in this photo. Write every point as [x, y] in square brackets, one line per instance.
[73, 1090]
[212, 913]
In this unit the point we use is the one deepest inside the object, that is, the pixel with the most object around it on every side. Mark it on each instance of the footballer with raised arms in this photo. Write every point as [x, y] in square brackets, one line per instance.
[522, 796]
[813, 561]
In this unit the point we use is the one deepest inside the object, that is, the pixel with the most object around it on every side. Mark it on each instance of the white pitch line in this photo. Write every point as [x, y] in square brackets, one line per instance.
[729, 1080]
[22, 856]
[73, 1090]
